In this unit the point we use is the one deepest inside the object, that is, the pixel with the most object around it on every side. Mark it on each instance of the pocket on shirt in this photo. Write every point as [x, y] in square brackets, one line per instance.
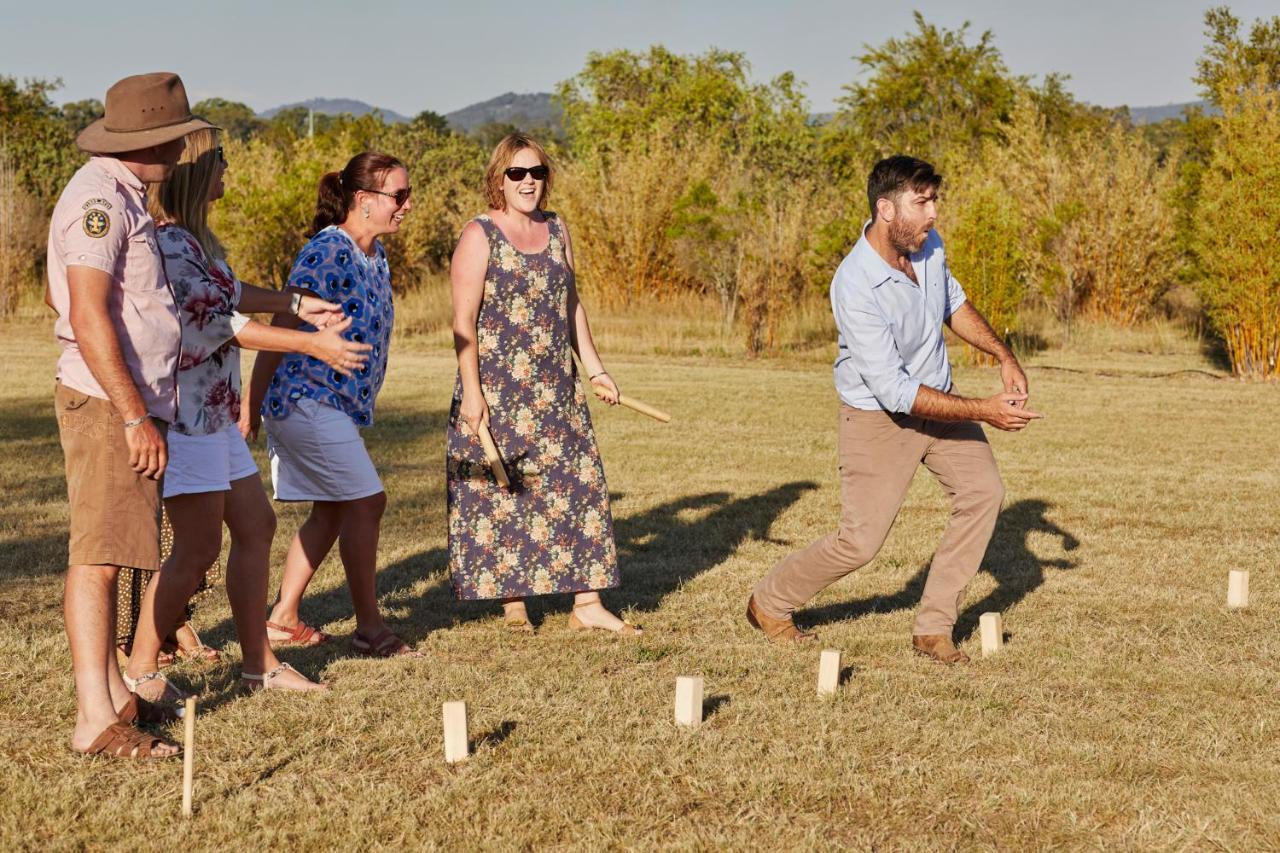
[143, 270]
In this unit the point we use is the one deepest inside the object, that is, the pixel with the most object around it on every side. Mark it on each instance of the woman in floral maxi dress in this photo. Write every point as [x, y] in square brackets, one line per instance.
[517, 324]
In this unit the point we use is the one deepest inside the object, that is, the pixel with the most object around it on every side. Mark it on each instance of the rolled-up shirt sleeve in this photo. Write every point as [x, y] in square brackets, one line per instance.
[955, 293]
[206, 301]
[875, 356]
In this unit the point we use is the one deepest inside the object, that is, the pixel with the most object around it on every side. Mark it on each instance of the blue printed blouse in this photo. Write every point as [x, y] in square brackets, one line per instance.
[334, 268]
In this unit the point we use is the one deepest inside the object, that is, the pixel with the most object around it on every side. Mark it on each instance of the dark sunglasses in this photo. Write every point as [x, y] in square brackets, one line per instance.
[517, 173]
[399, 196]
[222, 158]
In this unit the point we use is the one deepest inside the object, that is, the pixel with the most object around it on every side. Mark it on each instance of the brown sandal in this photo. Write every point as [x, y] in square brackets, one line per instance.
[122, 740]
[198, 652]
[301, 634]
[385, 645]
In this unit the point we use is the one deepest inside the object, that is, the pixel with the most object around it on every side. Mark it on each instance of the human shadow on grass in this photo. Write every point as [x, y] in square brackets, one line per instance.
[658, 552]
[1017, 571]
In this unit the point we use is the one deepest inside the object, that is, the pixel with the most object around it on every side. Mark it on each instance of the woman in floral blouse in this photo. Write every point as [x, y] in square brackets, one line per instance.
[211, 477]
[517, 323]
[314, 415]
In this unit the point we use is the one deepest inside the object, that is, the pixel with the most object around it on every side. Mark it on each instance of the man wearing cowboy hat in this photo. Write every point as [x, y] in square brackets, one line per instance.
[115, 392]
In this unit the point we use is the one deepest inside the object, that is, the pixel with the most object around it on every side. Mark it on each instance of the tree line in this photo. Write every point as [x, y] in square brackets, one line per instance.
[680, 174]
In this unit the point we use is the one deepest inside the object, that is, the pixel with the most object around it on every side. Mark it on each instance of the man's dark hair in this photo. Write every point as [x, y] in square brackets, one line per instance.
[894, 175]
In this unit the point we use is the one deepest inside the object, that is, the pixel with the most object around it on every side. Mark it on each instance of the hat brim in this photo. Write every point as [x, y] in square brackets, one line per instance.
[96, 139]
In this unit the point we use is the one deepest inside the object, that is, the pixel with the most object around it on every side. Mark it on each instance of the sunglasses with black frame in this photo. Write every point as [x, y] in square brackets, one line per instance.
[399, 196]
[517, 173]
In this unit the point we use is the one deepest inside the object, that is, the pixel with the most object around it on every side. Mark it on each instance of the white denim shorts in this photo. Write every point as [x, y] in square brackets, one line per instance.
[206, 463]
[317, 454]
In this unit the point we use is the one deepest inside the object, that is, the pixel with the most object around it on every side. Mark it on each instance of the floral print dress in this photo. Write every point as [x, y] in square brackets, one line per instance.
[552, 531]
[207, 293]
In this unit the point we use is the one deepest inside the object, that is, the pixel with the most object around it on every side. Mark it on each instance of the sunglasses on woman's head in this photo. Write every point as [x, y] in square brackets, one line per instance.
[517, 173]
[399, 196]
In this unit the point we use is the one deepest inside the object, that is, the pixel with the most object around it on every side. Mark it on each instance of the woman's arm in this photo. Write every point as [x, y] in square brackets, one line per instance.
[312, 309]
[327, 345]
[466, 275]
[580, 335]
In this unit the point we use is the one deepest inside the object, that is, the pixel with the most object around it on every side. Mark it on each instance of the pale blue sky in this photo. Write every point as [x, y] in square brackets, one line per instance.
[409, 56]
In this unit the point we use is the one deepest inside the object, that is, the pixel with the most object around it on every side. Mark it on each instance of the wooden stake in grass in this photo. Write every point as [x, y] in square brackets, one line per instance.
[829, 672]
[1237, 590]
[689, 701]
[456, 747]
[492, 456]
[992, 629]
[188, 754]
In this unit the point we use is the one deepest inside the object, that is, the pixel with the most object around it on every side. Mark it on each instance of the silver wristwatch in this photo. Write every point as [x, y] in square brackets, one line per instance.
[295, 303]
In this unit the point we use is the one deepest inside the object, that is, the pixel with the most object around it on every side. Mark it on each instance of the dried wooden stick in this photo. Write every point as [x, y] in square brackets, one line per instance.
[188, 754]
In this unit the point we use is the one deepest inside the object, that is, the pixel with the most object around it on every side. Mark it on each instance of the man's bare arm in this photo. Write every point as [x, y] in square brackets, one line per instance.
[96, 337]
[972, 328]
[90, 291]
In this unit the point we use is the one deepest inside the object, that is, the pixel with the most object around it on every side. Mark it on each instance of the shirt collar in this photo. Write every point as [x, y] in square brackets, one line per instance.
[876, 268]
[121, 173]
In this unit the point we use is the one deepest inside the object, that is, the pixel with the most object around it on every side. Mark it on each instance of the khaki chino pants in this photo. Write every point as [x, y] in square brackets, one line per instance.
[878, 456]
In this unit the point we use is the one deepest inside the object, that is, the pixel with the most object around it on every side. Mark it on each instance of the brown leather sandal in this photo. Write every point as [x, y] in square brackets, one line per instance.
[121, 740]
[197, 652]
[301, 634]
[385, 645]
[576, 624]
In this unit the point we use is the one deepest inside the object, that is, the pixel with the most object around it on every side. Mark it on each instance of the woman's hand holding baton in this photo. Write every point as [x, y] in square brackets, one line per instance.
[606, 389]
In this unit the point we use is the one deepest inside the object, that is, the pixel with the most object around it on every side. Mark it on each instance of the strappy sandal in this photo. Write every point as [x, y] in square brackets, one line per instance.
[301, 634]
[255, 683]
[171, 694]
[576, 624]
[139, 710]
[121, 740]
[198, 652]
[385, 645]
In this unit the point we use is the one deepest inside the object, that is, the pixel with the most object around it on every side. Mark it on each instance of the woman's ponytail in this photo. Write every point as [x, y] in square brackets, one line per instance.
[331, 204]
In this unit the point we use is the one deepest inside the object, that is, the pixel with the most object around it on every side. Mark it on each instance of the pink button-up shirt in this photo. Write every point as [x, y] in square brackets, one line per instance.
[101, 221]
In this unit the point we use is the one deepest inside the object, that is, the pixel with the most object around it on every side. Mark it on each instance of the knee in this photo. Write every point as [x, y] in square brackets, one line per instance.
[853, 547]
[368, 509]
[982, 497]
[192, 555]
[258, 532]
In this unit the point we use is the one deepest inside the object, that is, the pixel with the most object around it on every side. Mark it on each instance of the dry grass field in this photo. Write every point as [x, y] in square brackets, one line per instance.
[1129, 710]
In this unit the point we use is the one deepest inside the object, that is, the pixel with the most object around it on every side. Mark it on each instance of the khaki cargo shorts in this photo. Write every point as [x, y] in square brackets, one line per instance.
[115, 511]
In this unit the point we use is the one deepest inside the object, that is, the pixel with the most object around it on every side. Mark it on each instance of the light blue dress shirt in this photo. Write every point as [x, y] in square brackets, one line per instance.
[891, 327]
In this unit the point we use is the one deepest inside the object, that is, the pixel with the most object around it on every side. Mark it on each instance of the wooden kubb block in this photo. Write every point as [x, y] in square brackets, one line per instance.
[991, 626]
[829, 672]
[1237, 590]
[689, 701]
[456, 747]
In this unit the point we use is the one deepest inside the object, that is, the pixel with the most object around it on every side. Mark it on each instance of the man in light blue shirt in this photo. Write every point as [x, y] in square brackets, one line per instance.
[891, 297]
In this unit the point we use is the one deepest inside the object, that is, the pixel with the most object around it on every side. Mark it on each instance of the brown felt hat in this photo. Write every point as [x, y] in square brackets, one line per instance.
[143, 110]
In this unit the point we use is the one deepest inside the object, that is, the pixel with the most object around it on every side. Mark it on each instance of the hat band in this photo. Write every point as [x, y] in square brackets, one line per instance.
[183, 120]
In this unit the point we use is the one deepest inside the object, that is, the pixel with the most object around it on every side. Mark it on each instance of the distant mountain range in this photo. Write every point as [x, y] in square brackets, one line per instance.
[525, 111]
[536, 109]
[337, 106]
[1151, 115]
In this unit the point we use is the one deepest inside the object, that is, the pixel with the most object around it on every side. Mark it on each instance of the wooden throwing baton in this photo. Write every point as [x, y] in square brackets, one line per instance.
[188, 754]
[637, 406]
[492, 456]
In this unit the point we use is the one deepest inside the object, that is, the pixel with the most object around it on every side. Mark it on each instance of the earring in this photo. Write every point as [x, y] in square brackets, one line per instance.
[366, 211]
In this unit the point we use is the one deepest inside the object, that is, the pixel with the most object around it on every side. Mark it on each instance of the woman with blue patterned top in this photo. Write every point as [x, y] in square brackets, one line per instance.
[314, 413]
